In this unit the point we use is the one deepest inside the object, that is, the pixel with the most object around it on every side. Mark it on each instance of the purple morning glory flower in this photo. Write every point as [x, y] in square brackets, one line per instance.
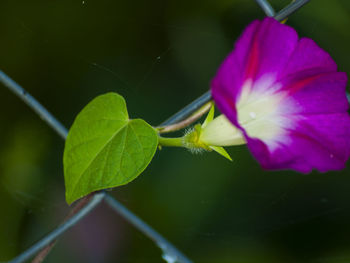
[284, 98]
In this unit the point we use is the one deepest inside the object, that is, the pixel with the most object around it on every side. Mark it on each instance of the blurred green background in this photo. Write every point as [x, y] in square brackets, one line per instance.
[160, 55]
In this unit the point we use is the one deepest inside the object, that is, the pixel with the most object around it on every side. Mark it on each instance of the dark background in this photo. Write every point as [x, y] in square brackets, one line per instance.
[160, 55]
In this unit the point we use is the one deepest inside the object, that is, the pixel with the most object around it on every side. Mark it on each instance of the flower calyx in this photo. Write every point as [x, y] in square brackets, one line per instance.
[195, 138]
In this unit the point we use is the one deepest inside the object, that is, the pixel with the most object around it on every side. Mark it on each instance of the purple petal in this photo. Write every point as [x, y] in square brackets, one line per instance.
[319, 142]
[311, 122]
[226, 86]
[321, 93]
[271, 48]
[263, 50]
[308, 55]
[317, 107]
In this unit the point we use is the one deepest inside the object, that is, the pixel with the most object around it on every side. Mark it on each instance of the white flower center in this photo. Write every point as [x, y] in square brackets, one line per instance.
[258, 114]
[257, 110]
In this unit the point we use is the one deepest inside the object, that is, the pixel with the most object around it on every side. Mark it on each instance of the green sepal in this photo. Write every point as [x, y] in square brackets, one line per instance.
[210, 116]
[221, 151]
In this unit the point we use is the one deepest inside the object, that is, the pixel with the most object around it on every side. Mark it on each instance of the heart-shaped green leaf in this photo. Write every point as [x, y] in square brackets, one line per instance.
[104, 148]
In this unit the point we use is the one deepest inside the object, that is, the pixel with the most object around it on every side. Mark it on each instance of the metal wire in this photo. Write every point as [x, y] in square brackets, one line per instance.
[266, 7]
[167, 248]
[290, 9]
[30, 252]
[36, 106]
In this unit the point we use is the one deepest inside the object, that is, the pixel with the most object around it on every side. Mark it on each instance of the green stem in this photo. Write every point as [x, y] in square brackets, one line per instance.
[172, 142]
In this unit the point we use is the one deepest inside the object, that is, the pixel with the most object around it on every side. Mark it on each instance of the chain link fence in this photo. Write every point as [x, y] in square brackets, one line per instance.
[86, 205]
